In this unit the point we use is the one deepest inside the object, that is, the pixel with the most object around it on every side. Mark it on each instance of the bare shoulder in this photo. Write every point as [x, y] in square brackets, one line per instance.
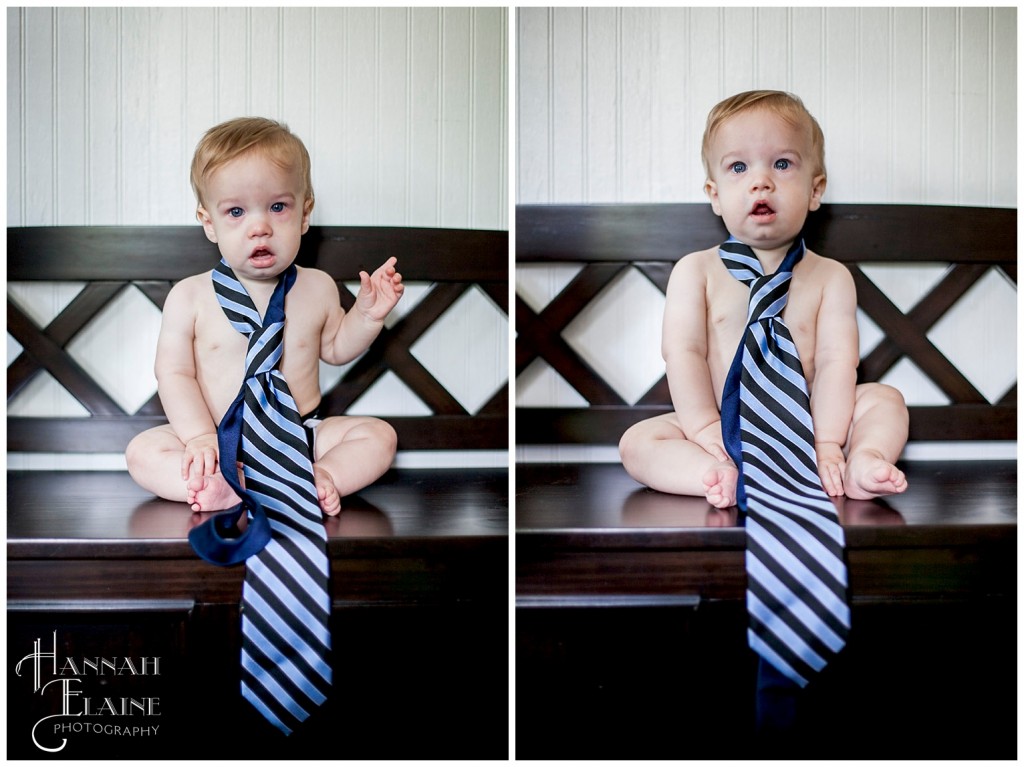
[696, 265]
[315, 284]
[827, 271]
[186, 292]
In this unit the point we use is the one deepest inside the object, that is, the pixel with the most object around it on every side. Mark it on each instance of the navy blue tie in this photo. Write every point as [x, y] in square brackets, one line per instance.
[796, 575]
[285, 602]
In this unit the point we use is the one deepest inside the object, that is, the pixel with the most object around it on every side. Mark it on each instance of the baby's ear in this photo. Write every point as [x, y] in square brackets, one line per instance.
[307, 210]
[711, 190]
[207, 222]
[817, 192]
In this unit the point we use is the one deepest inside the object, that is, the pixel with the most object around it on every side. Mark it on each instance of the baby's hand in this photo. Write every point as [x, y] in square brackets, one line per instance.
[379, 292]
[831, 467]
[201, 456]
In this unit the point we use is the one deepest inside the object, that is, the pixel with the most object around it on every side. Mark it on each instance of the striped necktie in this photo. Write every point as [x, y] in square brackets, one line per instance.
[285, 602]
[796, 577]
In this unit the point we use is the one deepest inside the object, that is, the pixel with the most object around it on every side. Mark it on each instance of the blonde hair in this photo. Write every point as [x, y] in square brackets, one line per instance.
[785, 105]
[234, 138]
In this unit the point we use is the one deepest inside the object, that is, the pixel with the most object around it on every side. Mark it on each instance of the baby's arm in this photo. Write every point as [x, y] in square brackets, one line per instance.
[685, 349]
[180, 395]
[348, 334]
[835, 374]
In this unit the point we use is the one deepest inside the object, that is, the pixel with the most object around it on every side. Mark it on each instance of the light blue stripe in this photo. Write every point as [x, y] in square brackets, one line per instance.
[257, 701]
[827, 524]
[748, 398]
[283, 630]
[305, 512]
[282, 662]
[247, 311]
[784, 458]
[314, 589]
[265, 337]
[290, 530]
[775, 363]
[316, 626]
[766, 652]
[811, 544]
[277, 415]
[799, 571]
[273, 688]
[779, 628]
[280, 422]
[763, 575]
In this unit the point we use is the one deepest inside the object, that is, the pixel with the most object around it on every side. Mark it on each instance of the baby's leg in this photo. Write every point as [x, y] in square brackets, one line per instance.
[877, 437]
[655, 453]
[351, 452]
[154, 461]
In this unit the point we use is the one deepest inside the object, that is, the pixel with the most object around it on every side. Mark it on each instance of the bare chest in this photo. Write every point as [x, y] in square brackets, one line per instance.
[727, 302]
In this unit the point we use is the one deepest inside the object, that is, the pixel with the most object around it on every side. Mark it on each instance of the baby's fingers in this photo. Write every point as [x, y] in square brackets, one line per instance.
[831, 478]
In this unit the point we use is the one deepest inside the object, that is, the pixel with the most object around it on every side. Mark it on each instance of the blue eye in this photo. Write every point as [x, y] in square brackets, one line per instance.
[781, 164]
[277, 207]
[738, 167]
[235, 212]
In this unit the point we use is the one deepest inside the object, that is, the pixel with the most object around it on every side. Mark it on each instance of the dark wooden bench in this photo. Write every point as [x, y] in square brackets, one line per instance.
[419, 559]
[630, 624]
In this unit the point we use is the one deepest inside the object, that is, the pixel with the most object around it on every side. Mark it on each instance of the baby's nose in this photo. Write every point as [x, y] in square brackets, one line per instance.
[258, 226]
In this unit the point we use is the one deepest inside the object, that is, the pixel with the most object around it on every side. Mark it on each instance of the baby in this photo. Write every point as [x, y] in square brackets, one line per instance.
[765, 162]
[251, 178]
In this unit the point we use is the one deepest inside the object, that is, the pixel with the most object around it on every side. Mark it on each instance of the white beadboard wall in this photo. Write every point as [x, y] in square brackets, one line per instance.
[918, 105]
[404, 112]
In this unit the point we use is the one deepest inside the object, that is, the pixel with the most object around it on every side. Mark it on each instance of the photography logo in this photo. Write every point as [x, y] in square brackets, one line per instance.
[65, 682]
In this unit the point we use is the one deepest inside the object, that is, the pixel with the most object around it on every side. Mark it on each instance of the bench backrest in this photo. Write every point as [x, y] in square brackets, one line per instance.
[108, 259]
[606, 239]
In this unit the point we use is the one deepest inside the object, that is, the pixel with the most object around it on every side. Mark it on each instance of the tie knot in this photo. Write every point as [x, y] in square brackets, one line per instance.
[768, 296]
[265, 348]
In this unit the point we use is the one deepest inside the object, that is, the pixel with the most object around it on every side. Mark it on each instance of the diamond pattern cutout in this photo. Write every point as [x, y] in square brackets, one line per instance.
[978, 333]
[389, 396]
[43, 397]
[13, 349]
[915, 386]
[868, 332]
[466, 349]
[905, 284]
[541, 386]
[537, 284]
[42, 301]
[118, 348]
[619, 334]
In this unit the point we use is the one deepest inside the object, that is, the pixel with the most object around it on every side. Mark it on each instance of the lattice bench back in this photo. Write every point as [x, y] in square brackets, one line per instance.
[607, 239]
[108, 259]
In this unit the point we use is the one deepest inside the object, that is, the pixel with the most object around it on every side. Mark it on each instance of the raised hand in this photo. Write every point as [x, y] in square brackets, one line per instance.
[379, 292]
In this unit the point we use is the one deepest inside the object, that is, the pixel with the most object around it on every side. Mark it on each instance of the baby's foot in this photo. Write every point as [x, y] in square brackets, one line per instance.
[869, 475]
[330, 501]
[211, 493]
[720, 484]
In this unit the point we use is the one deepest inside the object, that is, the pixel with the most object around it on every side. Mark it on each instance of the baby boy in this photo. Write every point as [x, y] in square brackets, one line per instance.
[253, 184]
[764, 157]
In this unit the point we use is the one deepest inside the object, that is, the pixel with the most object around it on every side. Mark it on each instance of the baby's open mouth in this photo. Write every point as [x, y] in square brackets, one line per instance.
[762, 209]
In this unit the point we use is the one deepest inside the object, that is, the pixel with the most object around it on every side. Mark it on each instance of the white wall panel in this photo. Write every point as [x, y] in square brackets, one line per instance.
[403, 110]
[917, 104]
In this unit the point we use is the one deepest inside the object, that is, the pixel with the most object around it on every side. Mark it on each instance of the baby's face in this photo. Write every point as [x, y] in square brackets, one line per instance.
[763, 178]
[255, 215]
